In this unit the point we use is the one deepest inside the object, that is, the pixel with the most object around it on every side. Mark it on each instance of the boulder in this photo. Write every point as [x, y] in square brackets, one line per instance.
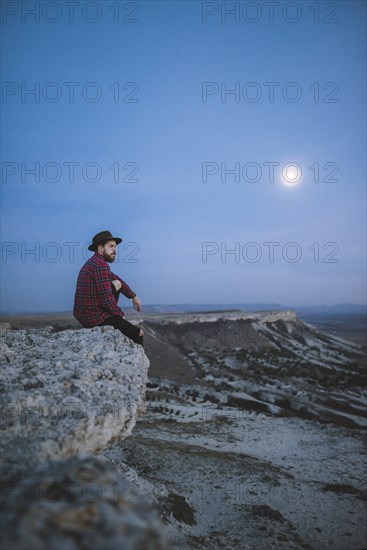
[67, 392]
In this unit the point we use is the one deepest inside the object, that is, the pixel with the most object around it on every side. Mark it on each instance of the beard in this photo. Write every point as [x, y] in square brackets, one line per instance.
[109, 257]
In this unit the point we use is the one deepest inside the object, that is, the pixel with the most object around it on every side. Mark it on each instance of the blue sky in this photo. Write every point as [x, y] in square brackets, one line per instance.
[164, 128]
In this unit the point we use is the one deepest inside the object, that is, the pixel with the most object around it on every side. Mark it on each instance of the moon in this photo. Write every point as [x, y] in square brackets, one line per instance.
[291, 174]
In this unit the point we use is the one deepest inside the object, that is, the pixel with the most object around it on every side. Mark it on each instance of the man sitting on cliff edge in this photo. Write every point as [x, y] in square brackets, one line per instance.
[98, 290]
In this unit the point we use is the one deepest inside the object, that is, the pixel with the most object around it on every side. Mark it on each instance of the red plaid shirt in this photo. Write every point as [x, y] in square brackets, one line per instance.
[94, 300]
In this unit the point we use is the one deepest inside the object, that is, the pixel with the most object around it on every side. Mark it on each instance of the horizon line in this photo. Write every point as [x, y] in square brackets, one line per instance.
[188, 304]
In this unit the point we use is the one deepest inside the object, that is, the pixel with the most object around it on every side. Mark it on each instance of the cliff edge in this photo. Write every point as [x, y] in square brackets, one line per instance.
[67, 392]
[64, 396]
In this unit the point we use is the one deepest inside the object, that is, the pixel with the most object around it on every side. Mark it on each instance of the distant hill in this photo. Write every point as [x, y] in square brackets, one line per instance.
[185, 308]
[194, 308]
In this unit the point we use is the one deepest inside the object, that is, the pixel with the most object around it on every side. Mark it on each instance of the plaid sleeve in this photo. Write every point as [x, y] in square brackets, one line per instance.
[125, 289]
[105, 297]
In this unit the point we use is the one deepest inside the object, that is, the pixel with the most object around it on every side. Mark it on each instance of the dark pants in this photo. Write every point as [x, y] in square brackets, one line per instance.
[119, 323]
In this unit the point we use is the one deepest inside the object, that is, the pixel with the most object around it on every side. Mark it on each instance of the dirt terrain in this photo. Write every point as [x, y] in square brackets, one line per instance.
[256, 436]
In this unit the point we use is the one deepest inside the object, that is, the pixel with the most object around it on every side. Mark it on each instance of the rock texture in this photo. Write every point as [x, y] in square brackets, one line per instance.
[67, 392]
[79, 503]
[65, 395]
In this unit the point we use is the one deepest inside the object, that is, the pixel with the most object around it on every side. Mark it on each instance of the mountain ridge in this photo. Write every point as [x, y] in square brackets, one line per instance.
[344, 307]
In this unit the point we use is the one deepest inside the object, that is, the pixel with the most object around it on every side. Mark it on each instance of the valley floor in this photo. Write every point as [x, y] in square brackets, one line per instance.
[244, 481]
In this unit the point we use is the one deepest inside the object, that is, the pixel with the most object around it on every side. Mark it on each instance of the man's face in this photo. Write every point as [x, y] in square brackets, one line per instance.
[108, 251]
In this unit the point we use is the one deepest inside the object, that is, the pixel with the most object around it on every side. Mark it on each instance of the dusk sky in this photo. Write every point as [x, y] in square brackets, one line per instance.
[176, 125]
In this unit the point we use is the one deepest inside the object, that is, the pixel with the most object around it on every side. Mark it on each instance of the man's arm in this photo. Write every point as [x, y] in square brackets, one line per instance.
[125, 289]
[104, 292]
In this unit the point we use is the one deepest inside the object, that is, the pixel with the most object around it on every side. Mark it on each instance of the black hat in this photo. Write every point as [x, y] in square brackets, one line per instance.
[101, 238]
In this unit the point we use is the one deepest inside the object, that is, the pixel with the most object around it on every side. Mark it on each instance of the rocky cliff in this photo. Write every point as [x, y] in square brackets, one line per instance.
[62, 394]
[67, 392]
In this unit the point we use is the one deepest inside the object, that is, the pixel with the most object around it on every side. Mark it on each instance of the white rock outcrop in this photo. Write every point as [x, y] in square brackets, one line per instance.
[66, 392]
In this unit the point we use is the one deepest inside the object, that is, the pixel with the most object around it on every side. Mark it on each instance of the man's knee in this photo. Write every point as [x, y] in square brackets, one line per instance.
[141, 333]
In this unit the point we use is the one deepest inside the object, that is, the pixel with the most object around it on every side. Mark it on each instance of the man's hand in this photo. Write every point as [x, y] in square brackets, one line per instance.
[136, 303]
[116, 283]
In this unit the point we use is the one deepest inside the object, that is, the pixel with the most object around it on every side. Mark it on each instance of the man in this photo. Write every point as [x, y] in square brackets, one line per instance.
[98, 289]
